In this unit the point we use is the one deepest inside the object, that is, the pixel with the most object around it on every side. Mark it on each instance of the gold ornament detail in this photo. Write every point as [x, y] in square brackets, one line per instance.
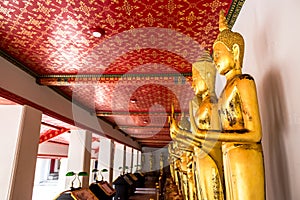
[171, 6]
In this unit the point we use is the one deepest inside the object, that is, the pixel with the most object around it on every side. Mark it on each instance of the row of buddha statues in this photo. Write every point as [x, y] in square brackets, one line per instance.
[216, 152]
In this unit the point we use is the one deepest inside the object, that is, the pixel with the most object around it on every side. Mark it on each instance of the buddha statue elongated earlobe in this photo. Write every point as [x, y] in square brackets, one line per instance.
[236, 52]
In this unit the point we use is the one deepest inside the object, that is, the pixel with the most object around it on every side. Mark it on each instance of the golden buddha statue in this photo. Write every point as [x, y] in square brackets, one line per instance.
[185, 154]
[190, 177]
[207, 159]
[175, 155]
[178, 180]
[183, 174]
[187, 159]
[240, 120]
[171, 161]
[240, 131]
[151, 160]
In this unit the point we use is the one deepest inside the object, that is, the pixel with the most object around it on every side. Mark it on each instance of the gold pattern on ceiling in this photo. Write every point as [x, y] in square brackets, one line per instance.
[148, 43]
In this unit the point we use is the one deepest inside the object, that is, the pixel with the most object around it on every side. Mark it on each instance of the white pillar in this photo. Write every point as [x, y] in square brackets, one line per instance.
[20, 130]
[124, 159]
[79, 155]
[138, 162]
[135, 160]
[42, 170]
[104, 157]
[118, 159]
[92, 166]
[131, 163]
[112, 162]
[62, 174]
[128, 158]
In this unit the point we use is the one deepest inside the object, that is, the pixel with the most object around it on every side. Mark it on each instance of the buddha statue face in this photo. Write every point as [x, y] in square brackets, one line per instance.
[228, 48]
[203, 74]
[223, 58]
[199, 86]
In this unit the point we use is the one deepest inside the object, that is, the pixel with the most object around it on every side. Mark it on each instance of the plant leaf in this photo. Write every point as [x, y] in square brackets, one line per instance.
[95, 170]
[70, 174]
[104, 170]
[82, 174]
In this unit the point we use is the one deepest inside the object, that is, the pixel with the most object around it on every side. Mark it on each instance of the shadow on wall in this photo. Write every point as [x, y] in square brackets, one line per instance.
[275, 131]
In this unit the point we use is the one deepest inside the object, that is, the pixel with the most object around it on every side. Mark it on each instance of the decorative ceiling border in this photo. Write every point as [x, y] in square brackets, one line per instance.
[139, 113]
[234, 11]
[67, 80]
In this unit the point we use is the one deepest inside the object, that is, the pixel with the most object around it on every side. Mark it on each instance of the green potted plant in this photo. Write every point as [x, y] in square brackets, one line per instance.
[125, 170]
[96, 171]
[95, 174]
[76, 176]
[101, 171]
[121, 170]
[137, 168]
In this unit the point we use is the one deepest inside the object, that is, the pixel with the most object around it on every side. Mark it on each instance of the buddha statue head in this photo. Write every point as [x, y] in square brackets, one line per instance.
[203, 74]
[233, 42]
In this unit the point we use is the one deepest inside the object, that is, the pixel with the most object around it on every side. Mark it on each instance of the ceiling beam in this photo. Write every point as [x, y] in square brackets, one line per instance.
[28, 92]
[88, 79]
[154, 137]
[155, 141]
[51, 126]
[142, 127]
[148, 135]
[49, 134]
[136, 113]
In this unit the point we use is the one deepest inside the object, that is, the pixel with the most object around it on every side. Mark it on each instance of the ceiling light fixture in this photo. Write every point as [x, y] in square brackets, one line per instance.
[133, 100]
[98, 32]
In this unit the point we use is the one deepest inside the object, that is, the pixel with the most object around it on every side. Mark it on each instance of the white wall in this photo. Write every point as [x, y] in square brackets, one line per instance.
[271, 30]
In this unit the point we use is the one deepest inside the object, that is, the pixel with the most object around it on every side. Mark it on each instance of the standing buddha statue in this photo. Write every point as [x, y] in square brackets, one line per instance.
[240, 120]
[207, 157]
[240, 131]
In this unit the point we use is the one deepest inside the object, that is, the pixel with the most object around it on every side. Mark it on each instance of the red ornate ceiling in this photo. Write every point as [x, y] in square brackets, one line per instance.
[131, 75]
